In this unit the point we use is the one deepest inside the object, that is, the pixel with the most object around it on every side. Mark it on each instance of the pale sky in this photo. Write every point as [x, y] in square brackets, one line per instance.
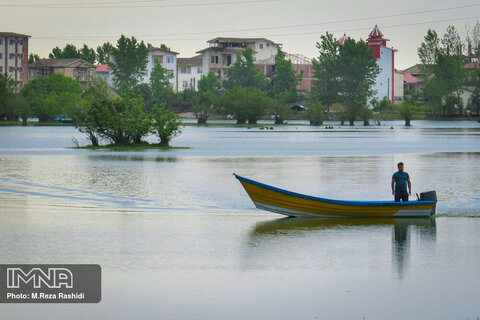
[186, 25]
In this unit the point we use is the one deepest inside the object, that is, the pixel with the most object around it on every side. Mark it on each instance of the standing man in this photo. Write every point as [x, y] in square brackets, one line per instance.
[400, 180]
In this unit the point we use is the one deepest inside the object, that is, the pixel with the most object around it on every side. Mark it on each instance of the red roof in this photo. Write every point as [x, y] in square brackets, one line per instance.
[376, 33]
[102, 68]
[408, 78]
[342, 40]
[472, 65]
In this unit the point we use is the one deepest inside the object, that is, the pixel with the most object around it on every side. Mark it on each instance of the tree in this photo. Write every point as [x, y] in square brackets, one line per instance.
[129, 61]
[243, 73]
[88, 54]
[7, 89]
[408, 112]
[246, 103]
[315, 114]
[166, 124]
[46, 97]
[209, 82]
[358, 69]
[326, 86]
[70, 51]
[160, 84]
[207, 97]
[103, 53]
[32, 58]
[281, 106]
[474, 100]
[443, 69]
[284, 78]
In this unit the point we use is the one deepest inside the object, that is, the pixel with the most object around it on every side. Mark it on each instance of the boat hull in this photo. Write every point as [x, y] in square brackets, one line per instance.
[285, 202]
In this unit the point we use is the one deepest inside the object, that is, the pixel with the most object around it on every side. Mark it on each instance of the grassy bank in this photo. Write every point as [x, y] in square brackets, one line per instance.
[128, 147]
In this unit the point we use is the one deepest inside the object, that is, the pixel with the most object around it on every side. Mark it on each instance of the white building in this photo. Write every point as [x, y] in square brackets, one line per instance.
[189, 71]
[385, 81]
[221, 53]
[168, 60]
[14, 56]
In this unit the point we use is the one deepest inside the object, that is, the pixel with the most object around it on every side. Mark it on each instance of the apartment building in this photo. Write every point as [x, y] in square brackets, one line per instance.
[78, 69]
[14, 56]
[189, 71]
[168, 60]
[221, 53]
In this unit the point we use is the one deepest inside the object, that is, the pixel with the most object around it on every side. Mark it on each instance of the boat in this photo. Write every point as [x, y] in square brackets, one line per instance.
[294, 204]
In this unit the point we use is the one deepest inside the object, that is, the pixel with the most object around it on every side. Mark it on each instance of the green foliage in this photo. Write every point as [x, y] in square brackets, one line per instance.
[32, 57]
[315, 114]
[160, 84]
[103, 53]
[284, 79]
[243, 73]
[474, 100]
[46, 97]
[210, 83]
[444, 73]
[383, 106]
[70, 51]
[409, 111]
[163, 46]
[7, 88]
[166, 124]
[327, 83]
[246, 103]
[281, 106]
[358, 69]
[129, 62]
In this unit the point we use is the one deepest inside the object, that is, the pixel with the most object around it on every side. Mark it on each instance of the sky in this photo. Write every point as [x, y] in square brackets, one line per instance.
[186, 25]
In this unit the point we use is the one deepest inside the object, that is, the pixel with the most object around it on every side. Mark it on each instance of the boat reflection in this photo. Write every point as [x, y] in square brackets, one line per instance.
[347, 230]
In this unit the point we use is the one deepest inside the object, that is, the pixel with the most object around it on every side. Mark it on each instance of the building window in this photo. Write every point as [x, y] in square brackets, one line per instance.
[20, 56]
[20, 42]
[184, 84]
[183, 70]
[11, 56]
[261, 46]
[1, 42]
[11, 42]
[1, 55]
[11, 69]
[20, 83]
[214, 59]
[199, 70]
[33, 73]
[20, 69]
[1, 69]
[170, 59]
[170, 72]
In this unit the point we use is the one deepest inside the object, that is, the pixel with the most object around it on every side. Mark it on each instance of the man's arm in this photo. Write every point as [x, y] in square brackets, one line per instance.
[393, 186]
[409, 186]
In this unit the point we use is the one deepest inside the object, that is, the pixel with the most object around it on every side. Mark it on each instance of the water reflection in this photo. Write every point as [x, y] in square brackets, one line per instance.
[345, 235]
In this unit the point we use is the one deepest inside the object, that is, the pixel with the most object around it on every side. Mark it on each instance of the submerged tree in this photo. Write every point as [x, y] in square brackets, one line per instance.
[166, 124]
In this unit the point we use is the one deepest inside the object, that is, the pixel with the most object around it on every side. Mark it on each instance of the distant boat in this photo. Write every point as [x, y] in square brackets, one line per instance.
[299, 205]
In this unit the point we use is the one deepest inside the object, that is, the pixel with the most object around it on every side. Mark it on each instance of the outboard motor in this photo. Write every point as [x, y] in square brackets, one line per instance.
[429, 196]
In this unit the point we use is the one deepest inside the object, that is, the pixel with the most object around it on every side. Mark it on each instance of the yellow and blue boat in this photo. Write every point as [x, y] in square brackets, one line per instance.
[293, 204]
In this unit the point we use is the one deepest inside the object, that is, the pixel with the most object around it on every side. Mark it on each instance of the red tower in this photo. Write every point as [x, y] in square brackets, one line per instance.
[375, 40]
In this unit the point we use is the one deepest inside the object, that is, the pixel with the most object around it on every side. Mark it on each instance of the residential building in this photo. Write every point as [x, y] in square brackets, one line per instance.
[385, 80]
[410, 82]
[221, 53]
[14, 56]
[415, 70]
[78, 69]
[300, 64]
[398, 83]
[103, 72]
[168, 60]
[189, 71]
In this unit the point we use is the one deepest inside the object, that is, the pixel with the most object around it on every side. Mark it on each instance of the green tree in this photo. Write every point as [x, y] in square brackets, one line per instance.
[7, 90]
[326, 86]
[160, 84]
[166, 124]
[69, 51]
[409, 111]
[315, 114]
[243, 73]
[209, 82]
[443, 69]
[129, 62]
[88, 54]
[103, 53]
[46, 97]
[358, 69]
[281, 106]
[207, 97]
[32, 58]
[246, 103]
[284, 79]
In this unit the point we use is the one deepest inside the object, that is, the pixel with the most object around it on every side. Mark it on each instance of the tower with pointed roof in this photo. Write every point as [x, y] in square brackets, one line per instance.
[384, 85]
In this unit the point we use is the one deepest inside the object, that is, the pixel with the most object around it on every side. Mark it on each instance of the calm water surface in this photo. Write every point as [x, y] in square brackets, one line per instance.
[177, 237]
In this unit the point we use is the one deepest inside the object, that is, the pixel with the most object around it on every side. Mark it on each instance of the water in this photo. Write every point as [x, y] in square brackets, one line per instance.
[177, 237]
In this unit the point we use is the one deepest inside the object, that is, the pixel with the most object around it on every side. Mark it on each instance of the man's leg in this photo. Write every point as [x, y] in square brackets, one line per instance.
[405, 196]
[397, 196]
